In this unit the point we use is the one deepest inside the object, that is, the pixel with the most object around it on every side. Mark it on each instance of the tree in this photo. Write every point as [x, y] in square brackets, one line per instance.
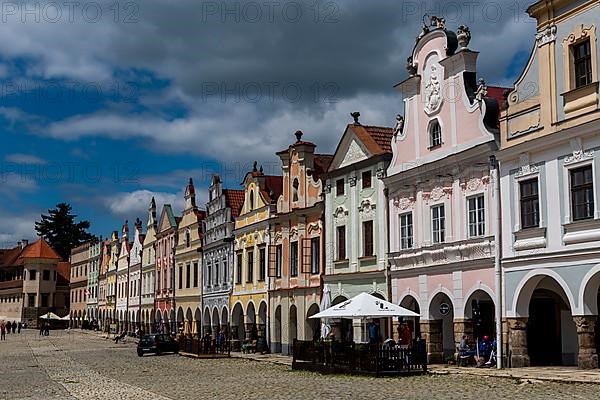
[61, 231]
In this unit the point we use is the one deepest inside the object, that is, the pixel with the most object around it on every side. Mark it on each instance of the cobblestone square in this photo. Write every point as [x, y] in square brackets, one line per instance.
[84, 366]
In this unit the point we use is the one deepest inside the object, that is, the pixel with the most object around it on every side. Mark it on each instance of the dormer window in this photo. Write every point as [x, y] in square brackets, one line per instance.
[187, 238]
[252, 200]
[582, 60]
[435, 135]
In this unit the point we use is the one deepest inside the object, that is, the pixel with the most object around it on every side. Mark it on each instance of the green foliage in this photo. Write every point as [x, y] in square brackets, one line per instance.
[61, 231]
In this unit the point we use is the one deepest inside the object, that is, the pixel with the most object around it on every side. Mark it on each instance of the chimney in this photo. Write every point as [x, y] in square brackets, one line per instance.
[24, 243]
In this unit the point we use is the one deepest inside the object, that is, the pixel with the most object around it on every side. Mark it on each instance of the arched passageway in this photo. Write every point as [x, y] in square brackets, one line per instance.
[440, 339]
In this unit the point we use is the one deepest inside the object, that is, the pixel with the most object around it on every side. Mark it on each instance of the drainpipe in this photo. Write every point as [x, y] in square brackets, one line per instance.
[497, 250]
[388, 280]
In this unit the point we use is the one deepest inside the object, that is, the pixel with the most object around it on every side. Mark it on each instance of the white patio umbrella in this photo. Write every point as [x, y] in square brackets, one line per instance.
[325, 304]
[50, 315]
[365, 306]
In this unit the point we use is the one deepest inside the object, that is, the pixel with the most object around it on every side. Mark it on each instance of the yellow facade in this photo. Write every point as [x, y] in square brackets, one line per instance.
[249, 300]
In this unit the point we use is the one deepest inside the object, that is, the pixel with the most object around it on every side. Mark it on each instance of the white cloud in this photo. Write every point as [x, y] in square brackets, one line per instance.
[15, 228]
[135, 204]
[20, 158]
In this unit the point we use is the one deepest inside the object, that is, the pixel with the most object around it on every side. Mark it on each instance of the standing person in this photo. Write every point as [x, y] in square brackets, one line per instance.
[19, 328]
[14, 327]
[405, 336]
[374, 334]
[47, 329]
[8, 326]
[42, 328]
[2, 331]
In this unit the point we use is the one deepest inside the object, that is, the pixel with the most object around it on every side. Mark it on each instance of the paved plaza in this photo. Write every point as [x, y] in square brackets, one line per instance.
[85, 366]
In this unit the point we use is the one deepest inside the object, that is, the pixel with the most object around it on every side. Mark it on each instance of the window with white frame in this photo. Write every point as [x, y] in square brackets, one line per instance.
[438, 224]
[529, 201]
[406, 231]
[435, 134]
[476, 210]
[582, 193]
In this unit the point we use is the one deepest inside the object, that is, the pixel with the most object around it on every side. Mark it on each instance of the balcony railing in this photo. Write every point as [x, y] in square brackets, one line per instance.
[16, 284]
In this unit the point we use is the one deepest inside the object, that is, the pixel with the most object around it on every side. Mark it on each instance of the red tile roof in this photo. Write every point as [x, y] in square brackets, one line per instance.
[235, 200]
[378, 139]
[39, 249]
[273, 186]
[497, 93]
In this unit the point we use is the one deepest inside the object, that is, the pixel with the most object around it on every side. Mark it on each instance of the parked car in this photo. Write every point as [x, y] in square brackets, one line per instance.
[157, 344]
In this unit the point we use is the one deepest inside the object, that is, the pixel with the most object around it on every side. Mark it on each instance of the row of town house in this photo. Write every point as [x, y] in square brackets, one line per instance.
[476, 188]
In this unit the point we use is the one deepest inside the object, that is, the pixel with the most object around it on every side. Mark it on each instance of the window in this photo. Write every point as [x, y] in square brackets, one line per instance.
[339, 187]
[366, 179]
[188, 276]
[32, 274]
[406, 231]
[250, 269]
[438, 223]
[530, 203]
[367, 238]
[180, 276]
[294, 259]
[187, 238]
[225, 271]
[295, 187]
[251, 199]
[238, 275]
[315, 255]
[158, 280]
[46, 275]
[262, 267]
[435, 135]
[476, 216]
[278, 260]
[209, 275]
[341, 243]
[217, 267]
[44, 300]
[31, 300]
[195, 274]
[582, 193]
[582, 60]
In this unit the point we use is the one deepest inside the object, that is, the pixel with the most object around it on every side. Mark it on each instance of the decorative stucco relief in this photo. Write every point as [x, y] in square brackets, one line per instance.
[339, 215]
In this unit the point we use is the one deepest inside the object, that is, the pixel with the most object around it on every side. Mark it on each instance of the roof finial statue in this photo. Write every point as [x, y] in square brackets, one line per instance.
[481, 90]
[411, 67]
[425, 29]
[261, 169]
[399, 125]
[298, 135]
[355, 115]
[463, 34]
[254, 169]
[439, 23]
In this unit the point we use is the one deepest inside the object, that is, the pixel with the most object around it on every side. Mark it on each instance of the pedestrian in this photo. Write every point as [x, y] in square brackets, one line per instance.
[14, 327]
[2, 331]
[41, 329]
[19, 328]
[47, 329]
[405, 336]
[374, 334]
[8, 326]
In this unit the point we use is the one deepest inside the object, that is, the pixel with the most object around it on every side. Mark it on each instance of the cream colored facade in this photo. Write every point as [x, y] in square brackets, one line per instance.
[188, 257]
[249, 301]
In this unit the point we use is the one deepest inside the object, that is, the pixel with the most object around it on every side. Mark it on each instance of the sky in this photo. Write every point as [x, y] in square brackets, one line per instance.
[106, 104]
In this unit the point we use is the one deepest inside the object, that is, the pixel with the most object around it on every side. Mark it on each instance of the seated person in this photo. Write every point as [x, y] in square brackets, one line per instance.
[464, 349]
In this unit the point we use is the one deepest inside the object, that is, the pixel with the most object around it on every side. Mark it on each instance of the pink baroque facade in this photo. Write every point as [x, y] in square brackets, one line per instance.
[441, 204]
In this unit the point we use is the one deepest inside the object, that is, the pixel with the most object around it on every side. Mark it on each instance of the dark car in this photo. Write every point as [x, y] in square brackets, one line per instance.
[157, 344]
